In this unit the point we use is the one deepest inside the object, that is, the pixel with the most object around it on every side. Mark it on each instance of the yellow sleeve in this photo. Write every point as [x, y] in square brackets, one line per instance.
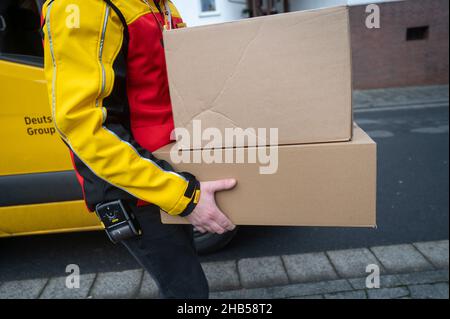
[78, 67]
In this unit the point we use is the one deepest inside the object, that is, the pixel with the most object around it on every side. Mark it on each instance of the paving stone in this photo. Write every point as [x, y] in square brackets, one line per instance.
[359, 294]
[388, 293]
[436, 252]
[255, 293]
[435, 291]
[124, 284]
[352, 263]
[306, 289]
[308, 297]
[222, 275]
[149, 288]
[309, 267]
[24, 289]
[282, 292]
[386, 281]
[57, 289]
[401, 258]
[425, 277]
[262, 272]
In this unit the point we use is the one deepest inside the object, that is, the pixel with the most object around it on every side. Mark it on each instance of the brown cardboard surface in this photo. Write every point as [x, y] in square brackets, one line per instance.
[289, 71]
[327, 184]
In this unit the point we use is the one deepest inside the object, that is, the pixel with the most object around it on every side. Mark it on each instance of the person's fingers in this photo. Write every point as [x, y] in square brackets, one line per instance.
[224, 221]
[223, 184]
[206, 225]
[215, 227]
[209, 229]
[230, 226]
[200, 229]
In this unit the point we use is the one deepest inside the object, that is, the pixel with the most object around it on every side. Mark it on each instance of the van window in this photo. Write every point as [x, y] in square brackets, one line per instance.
[20, 37]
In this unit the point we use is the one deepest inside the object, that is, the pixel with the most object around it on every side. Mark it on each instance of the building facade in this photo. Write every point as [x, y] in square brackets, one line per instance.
[200, 12]
[411, 46]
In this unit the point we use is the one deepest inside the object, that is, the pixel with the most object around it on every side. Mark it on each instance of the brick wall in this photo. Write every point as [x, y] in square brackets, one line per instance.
[384, 58]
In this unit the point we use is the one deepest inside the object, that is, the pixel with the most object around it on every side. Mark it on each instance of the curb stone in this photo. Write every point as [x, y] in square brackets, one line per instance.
[407, 95]
[401, 258]
[112, 285]
[56, 288]
[351, 263]
[308, 267]
[262, 272]
[222, 275]
[435, 252]
[24, 289]
[149, 289]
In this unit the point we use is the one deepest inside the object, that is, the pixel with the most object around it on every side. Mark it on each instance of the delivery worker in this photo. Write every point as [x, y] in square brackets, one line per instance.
[109, 95]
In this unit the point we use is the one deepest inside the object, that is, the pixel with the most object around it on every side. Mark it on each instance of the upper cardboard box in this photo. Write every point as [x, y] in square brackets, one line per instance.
[288, 71]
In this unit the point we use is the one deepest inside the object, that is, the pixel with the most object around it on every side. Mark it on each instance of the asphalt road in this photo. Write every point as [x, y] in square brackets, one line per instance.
[413, 195]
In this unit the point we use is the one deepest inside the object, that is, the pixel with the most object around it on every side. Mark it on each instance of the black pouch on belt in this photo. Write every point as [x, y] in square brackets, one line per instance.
[118, 220]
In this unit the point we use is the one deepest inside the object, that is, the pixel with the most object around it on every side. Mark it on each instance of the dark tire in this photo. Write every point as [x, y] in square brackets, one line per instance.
[208, 243]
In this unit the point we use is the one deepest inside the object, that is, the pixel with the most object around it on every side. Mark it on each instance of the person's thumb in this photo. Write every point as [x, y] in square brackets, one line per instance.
[223, 184]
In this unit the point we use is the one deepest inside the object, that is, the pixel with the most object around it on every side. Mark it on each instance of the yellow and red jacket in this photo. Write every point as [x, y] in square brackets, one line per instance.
[108, 89]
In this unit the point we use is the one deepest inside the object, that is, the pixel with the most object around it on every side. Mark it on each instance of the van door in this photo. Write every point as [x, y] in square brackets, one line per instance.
[38, 187]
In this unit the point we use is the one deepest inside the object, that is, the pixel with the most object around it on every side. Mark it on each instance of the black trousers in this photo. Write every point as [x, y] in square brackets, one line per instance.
[167, 252]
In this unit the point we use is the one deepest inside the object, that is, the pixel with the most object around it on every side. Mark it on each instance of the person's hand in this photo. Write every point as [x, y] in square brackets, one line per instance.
[207, 217]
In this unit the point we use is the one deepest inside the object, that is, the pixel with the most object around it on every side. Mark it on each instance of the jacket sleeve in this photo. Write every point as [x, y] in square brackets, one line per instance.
[79, 53]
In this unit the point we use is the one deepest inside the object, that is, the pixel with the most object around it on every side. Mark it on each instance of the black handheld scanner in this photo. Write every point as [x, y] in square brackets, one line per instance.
[118, 220]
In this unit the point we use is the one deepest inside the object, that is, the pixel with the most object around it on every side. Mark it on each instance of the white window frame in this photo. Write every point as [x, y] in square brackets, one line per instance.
[206, 14]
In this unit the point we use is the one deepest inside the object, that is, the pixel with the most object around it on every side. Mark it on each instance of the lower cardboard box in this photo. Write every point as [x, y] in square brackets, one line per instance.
[328, 184]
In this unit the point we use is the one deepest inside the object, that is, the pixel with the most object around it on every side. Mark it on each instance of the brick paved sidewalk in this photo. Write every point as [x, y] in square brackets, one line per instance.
[418, 270]
[423, 96]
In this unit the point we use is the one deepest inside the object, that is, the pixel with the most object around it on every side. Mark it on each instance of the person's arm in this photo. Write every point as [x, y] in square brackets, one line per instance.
[79, 78]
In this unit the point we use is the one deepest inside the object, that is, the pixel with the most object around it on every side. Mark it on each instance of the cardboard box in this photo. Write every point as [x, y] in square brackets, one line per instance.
[328, 184]
[289, 71]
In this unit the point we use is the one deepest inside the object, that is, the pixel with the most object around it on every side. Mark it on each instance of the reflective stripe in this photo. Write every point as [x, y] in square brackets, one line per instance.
[105, 180]
[100, 53]
[145, 158]
[52, 53]
[104, 115]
